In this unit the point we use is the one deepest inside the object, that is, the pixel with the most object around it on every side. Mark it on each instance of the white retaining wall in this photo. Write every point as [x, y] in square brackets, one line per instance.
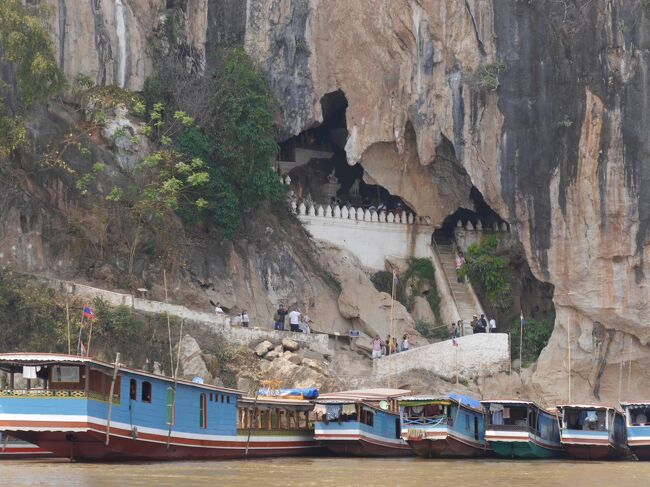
[478, 355]
[233, 334]
[372, 237]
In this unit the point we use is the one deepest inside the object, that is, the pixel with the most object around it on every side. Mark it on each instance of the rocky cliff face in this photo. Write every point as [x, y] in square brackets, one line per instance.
[559, 149]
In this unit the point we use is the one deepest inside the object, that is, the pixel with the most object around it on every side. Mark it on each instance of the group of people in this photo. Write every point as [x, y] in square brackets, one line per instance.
[482, 325]
[389, 346]
[298, 322]
[244, 319]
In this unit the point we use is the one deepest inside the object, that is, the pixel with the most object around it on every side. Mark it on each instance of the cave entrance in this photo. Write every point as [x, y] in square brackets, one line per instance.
[317, 167]
[481, 216]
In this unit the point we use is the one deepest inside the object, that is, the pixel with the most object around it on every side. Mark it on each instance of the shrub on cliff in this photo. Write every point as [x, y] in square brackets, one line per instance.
[536, 336]
[33, 74]
[488, 272]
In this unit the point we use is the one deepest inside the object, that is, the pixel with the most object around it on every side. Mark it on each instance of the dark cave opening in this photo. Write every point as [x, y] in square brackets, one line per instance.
[316, 163]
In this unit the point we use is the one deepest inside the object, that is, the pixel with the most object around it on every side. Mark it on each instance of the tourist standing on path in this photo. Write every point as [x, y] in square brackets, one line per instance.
[493, 326]
[218, 309]
[481, 325]
[405, 343]
[387, 345]
[393, 345]
[452, 330]
[279, 318]
[459, 264]
[244, 318]
[474, 323]
[376, 347]
[294, 319]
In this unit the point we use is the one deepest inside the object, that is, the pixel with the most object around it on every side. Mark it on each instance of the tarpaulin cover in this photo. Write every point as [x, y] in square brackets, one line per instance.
[307, 392]
[466, 401]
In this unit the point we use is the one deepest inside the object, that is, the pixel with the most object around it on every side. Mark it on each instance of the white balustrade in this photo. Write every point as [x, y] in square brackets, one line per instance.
[459, 224]
[495, 227]
[312, 210]
[302, 209]
[382, 216]
[469, 226]
[479, 226]
[390, 218]
[410, 219]
[366, 216]
[345, 214]
[374, 216]
[504, 227]
[328, 211]
[337, 212]
[321, 210]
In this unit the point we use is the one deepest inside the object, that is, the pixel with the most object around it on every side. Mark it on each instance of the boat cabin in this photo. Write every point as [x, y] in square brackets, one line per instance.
[361, 422]
[274, 415]
[637, 413]
[521, 416]
[591, 418]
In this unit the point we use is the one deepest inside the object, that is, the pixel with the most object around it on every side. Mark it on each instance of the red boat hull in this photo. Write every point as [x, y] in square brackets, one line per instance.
[449, 447]
[365, 448]
[91, 446]
[594, 452]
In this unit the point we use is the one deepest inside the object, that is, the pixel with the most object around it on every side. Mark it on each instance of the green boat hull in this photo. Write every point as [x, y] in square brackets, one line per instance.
[525, 450]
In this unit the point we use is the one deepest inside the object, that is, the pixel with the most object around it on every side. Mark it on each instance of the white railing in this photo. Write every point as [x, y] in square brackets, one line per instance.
[358, 214]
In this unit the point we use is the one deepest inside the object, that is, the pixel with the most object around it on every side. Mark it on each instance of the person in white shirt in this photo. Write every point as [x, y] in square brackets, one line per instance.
[493, 325]
[218, 310]
[244, 319]
[294, 319]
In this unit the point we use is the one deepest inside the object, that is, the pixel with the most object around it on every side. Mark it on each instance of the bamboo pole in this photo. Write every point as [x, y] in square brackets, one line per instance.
[81, 326]
[568, 332]
[521, 342]
[110, 398]
[67, 319]
[169, 327]
[90, 336]
[392, 331]
[178, 359]
[620, 381]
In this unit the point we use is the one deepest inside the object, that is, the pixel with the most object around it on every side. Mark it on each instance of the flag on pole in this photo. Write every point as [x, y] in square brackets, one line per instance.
[88, 313]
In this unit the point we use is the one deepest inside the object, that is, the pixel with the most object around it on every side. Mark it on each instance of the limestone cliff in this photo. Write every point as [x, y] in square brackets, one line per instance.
[556, 142]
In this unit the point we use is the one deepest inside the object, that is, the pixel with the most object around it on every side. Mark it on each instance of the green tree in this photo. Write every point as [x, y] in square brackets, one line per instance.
[32, 75]
[536, 336]
[241, 124]
[487, 270]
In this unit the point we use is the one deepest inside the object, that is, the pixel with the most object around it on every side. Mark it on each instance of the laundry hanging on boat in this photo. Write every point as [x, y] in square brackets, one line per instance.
[333, 412]
[29, 372]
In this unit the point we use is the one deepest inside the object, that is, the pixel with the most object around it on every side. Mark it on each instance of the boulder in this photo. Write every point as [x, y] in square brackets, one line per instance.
[315, 365]
[422, 310]
[272, 355]
[289, 344]
[295, 359]
[191, 361]
[262, 348]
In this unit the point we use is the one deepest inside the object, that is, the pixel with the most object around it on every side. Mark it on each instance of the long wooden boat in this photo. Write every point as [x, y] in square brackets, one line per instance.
[593, 432]
[361, 423]
[444, 426]
[69, 410]
[637, 418]
[13, 448]
[522, 429]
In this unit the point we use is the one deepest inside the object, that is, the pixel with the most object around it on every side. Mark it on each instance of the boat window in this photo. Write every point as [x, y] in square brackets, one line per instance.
[367, 417]
[133, 390]
[222, 398]
[146, 391]
[585, 419]
[171, 416]
[466, 422]
[475, 428]
[508, 415]
[639, 416]
[228, 399]
[210, 397]
[203, 412]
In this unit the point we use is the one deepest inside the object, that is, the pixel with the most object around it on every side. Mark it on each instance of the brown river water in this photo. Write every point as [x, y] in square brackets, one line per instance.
[329, 472]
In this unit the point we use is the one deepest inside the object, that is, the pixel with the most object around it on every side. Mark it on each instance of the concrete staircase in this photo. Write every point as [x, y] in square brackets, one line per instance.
[463, 294]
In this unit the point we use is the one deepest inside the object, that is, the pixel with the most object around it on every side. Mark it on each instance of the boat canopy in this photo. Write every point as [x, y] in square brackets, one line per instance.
[361, 395]
[13, 363]
[422, 400]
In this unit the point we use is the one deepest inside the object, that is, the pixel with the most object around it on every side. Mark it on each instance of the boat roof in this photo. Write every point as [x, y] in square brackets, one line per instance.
[636, 403]
[464, 400]
[275, 401]
[584, 406]
[361, 395]
[517, 402]
[27, 358]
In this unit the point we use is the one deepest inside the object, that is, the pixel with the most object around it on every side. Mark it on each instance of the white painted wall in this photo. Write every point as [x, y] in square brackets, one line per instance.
[371, 241]
[478, 355]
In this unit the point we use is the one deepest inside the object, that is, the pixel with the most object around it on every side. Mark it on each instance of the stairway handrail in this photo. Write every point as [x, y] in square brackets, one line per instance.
[442, 267]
